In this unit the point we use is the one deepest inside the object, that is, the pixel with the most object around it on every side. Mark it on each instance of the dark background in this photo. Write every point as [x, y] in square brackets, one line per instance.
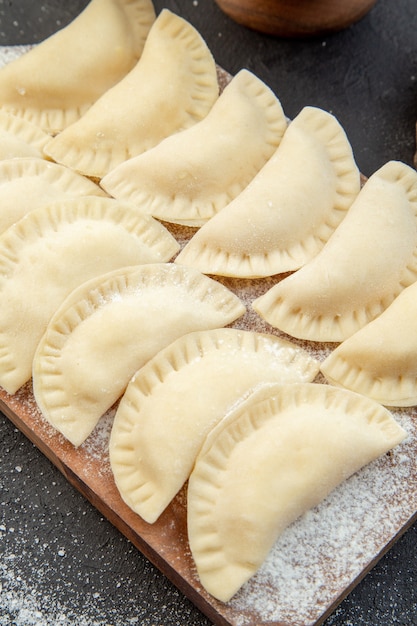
[60, 561]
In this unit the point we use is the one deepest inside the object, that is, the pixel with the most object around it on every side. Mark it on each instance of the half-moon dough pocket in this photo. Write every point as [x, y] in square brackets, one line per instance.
[173, 402]
[288, 211]
[276, 456]
[109, 328]
[380, 359]
[190, 176]
[367, 262]
[172, 86]
[52, 250]
[56, 82]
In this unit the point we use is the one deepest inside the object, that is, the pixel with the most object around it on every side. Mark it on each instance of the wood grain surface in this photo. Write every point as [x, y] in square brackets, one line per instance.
[372, 509]
[370, 512]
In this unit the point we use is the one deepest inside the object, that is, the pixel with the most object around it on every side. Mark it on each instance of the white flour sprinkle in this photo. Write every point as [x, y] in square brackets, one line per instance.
[296, 578]
[10, 53]
[333, 542]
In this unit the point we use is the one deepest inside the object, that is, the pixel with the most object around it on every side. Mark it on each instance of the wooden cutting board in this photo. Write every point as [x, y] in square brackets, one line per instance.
[314, 564]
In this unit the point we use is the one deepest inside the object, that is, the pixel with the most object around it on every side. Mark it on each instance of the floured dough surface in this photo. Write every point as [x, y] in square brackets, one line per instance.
[27, 183]
[192, 175]
[288, 574]
[173, 402]
[276, 456]
[109, 328]
[54, 249]
[368, 261]
[97, 49]
[171, 87]
[380, 360]
[288, 211]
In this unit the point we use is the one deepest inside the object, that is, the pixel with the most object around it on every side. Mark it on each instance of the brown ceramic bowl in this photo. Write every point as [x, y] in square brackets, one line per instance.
[297, 18]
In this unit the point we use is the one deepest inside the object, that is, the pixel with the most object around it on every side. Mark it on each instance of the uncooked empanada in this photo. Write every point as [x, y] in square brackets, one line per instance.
[380, 360]
[173, 86]
[191, 175]
[276, 456]
[288, 211]
[173, 402]
[27, 183]
[55, 82]
[20, 138]
[366, 263]
[52, 250]
[107, 329]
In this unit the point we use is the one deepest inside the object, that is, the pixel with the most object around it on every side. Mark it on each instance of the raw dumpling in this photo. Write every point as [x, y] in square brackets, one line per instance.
[28, 183]
[173, 402]
[191, 175]
[380, 360]
[276, 456]
[55, 82]
[20, 138]
[288, 211]
[107, 329]
[52, 250]
[366, 263]
[173, 86]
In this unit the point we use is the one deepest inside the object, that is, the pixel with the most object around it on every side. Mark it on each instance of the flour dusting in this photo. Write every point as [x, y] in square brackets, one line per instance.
[313, 562]
[10, 53]
[327, 549]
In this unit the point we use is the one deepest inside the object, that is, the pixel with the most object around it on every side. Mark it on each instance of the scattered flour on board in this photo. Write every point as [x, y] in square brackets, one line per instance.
[10, 53]
[328, 548]
[315, 559]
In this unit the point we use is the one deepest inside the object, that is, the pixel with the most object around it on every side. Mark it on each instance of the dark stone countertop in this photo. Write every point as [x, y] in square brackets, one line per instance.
[61, 563]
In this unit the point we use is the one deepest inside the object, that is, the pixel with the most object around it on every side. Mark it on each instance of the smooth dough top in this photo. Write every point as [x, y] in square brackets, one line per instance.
[55, 82]
[288, 211]
[280, 453]
[190, 176]
[172, 86]
[173, 402]
[51, 251]
[380, 359]
[366, 263]
[110, 327]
